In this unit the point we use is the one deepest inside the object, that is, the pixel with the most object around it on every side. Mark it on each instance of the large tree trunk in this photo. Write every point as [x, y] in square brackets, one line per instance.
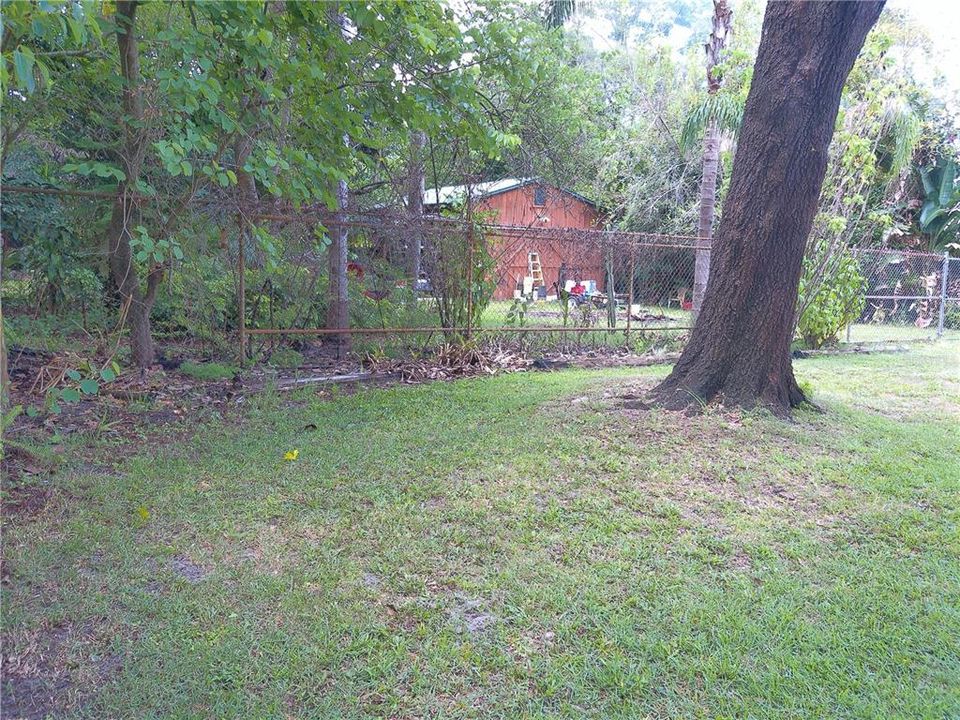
[415, 187]
[711, 157]
[136, 302]
[739, 350]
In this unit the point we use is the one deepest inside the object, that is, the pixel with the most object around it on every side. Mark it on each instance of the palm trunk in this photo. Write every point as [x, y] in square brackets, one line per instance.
[338, 305]
[708, 205]
[711, 157]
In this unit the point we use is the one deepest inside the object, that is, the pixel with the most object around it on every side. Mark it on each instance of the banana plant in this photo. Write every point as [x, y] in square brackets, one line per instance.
[940, 213]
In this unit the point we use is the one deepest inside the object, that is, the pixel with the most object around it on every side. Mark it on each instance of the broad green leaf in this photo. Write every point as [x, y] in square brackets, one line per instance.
[89, 386]
[23, 61]
[946, 183]
[929, 213]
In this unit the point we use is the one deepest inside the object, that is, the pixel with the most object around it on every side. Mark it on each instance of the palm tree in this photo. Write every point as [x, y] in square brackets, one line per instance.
[717, 113]
[556, 12]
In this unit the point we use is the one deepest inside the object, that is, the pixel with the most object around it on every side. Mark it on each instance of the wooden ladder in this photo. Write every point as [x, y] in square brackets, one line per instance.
[536, 269]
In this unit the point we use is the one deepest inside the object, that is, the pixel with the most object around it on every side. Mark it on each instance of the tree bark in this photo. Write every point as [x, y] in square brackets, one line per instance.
[138, 303]
[338, 304]
[739, 351]
[708, 205]
[416, 185]
[4, 375]
[711, 157]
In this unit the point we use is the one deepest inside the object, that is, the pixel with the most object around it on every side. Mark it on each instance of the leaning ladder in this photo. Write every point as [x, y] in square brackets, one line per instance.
[536, 269]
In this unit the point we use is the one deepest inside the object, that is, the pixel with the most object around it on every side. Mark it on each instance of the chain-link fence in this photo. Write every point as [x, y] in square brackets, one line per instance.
[413, 282]
[409, 283]
[908, 296]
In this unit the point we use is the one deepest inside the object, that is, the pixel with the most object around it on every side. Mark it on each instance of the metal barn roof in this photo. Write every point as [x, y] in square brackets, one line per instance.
[456, 193]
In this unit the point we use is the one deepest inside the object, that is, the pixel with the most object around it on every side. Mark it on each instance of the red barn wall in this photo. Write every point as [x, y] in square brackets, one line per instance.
[515, 207]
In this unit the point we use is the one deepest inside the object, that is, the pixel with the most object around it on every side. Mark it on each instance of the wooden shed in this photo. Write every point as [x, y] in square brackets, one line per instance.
[526, 262]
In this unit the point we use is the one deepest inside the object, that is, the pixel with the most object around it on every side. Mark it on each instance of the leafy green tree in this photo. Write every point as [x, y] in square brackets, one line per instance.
[187, 109]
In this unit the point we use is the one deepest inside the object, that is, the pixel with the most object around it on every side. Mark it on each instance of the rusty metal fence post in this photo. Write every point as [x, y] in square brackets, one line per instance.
[630, 292]
[944, 275]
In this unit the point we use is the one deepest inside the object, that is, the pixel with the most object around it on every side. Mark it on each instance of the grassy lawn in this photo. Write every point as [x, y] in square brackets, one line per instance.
[518, 546]
[549, 313]
[890, 332]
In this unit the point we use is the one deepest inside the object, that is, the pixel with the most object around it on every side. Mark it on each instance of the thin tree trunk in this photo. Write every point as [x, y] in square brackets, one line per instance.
[711, 157]
[338, 305]
[740, 348]
[4, 375]
[416, 185]
[246, 186]
[122, 267]
[708, 205]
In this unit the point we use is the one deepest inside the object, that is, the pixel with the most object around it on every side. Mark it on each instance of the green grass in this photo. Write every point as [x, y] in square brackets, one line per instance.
[208, 370]
[549, 313]
[890, 332]
[516, 546]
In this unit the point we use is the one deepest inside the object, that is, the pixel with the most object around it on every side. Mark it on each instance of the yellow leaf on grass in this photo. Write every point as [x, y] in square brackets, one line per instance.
[143, 513]
[291, 455]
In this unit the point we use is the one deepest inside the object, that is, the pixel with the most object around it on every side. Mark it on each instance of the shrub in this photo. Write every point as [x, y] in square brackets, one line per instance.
[951, 316]
[447, 259]
[838, 302]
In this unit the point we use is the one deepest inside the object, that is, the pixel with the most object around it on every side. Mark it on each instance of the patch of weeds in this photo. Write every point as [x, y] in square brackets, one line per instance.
[208, 370]
[286, 358]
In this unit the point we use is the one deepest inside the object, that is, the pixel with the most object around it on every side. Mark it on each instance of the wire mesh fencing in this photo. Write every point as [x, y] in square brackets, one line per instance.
[405, 284]
[413, 282]
[907, 296]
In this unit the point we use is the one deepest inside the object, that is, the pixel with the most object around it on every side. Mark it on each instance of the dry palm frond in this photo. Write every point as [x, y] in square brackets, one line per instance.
[453, 360]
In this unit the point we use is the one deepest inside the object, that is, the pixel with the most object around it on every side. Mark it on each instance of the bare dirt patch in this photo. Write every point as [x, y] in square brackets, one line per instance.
[49, 670]
[188, 569]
